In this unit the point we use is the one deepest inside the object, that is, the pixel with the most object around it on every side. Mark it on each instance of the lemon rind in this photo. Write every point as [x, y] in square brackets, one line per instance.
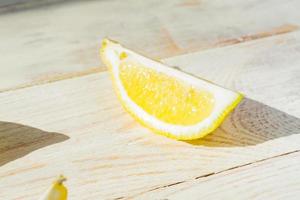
[191, 136]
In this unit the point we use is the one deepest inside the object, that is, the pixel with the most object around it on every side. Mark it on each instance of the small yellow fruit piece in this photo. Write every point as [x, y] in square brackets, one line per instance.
[57, 191]
[166, 100]
[185, 105]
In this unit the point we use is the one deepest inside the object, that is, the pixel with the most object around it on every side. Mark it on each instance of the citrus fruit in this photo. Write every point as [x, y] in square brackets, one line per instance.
[57, 191]
[166, 100]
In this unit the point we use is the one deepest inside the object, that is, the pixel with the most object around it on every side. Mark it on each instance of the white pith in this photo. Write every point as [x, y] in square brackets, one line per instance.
[223, 97]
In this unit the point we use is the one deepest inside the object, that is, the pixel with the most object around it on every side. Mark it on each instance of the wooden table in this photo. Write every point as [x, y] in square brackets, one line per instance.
[59, 114]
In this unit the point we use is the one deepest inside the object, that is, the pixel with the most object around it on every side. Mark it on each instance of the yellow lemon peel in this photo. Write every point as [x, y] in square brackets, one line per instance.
[168, 101]
[57, 191]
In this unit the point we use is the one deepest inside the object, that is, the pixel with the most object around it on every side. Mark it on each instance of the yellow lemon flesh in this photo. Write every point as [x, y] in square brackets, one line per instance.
[57, 191]
[185, 105]
[166, 100]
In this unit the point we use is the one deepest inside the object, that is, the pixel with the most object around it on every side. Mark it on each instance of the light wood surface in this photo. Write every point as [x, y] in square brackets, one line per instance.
[77, 127]
[277, 178]
[46, 43]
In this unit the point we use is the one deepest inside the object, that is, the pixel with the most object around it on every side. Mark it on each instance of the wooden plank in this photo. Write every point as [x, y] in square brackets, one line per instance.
[277, 178]
[7, 3]
[106, 154]
[44, 44]
[9, 6]
[266, 70]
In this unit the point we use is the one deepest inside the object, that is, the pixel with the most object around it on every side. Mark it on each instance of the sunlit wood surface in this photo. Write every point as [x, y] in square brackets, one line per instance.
[59, 113]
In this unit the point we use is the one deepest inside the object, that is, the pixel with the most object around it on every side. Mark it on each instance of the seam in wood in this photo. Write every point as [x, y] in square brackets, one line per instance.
[61, 77]
[118, 198]
[212, 173]
[222, 44]
[287, 28]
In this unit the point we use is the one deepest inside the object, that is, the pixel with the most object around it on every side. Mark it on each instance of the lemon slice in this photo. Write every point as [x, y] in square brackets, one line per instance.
[57, 191]
[168, 101]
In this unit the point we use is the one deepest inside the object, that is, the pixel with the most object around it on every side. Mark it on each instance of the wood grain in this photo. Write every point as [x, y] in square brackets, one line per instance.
[276, 178]
[272, 64]
[48, 43]
[7, 6]
[107, 155]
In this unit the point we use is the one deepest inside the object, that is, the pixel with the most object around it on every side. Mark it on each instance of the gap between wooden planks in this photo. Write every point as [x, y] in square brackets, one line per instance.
[50, 47]
[78, 128]
[273, 178]
[52, 78]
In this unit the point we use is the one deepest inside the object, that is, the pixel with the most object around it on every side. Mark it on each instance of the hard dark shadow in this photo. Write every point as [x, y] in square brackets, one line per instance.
[17, 140]
[251, 123]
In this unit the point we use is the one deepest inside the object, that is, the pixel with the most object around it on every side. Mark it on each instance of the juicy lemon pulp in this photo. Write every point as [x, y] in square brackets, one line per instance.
[57, 191]
[167, 101]
[164, 97]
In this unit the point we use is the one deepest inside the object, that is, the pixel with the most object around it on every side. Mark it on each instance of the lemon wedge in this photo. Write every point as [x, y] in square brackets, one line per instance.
[57, 191]
[166, 100]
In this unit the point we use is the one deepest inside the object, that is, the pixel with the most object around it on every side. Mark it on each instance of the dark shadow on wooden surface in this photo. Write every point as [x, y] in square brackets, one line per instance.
[17, 140]
[251, 123]
[7, 6]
